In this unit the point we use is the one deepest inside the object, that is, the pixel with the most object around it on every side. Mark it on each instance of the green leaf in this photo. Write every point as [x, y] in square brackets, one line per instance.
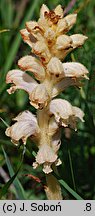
[66, 186]
[19, 189]
[5, 188]
[71, 191]
[16, 43]
[4, 30]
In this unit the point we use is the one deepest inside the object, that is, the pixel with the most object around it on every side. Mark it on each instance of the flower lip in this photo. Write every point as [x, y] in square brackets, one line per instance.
[75, 69]
[26, 37]
[45, 154]
[55, 67]
[63, 42]
[46, 157]
[25, 126]
[29, 63]
[32, 26]
[71, 20]
[20, 80]
[78, 40]
[59, 11]
[39, 97]
[65, 114]
[41, 49]
[65, 24]
[43, 10]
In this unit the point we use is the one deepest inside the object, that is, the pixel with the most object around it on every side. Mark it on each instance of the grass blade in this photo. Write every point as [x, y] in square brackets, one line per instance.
[70, 190]
[71, 167]
[19, 189]
[66, 186]
[5, 188]
[16, 44]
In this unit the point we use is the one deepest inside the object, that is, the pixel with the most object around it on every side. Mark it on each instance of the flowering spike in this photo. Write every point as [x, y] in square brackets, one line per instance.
[50, 43]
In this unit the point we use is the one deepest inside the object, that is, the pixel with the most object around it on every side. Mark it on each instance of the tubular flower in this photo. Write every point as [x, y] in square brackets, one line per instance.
[20, 80]
[25, 126]
[32, 64]
[39, 97]
[65, 114]
[48, 76]
[45, 156]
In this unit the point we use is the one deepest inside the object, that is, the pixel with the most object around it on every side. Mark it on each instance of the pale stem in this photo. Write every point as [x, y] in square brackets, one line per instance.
[53, 189]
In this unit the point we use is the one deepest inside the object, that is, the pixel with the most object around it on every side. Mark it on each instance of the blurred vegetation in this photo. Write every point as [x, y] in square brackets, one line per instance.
[78, 148]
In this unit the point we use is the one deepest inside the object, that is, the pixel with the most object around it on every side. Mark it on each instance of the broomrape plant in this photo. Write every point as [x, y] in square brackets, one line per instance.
[50, 45]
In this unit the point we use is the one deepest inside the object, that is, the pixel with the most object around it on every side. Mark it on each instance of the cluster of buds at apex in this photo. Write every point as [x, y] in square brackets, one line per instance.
[49, 75]
[48, 38]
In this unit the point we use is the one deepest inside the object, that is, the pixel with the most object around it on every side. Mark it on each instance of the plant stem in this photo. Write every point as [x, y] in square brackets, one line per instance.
[53, 189]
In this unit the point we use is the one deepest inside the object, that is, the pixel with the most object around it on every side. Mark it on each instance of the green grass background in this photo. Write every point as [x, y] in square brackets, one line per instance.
[76, 153]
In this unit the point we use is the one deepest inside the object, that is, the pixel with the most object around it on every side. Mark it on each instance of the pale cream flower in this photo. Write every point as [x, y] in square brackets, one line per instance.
[75, 69]
[26, 37]
[38, 93]
[64, 112]
[78, 113]
[63, 42]
[39, 97]
[71, 75]
[63, 76]
[68, 43]
[46, 156]
[43, 10]
[30, 63]
[59, 11]
[47, 167]
[78, 40]
[51, 17]
[33, 27]
[20, 80]
[65, 24]
[49, 36]
[55, 68]
[26, 125]
[40, 49]
[36, 32]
